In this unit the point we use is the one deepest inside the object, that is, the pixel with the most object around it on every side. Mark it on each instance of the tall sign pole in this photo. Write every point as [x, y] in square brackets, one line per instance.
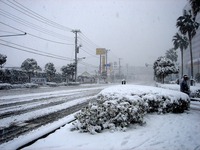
[101, 52]
[107, 62]
[76, 51]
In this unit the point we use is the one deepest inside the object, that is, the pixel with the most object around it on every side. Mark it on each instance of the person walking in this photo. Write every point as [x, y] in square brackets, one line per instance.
[184, 87]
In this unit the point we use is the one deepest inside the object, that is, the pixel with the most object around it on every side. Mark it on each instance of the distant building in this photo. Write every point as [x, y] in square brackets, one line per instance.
[195, 50]
[85, 77]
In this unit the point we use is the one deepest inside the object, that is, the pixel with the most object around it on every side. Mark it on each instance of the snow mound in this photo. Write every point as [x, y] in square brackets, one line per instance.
[119, 106]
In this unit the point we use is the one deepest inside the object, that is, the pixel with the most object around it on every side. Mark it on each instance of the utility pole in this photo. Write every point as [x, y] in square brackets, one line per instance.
[126, 71]
[100, 66]
[76, 51]
[119, 68]
[107, 62]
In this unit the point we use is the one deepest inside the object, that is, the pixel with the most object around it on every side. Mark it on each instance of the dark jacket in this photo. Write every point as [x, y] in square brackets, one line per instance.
[184, 87]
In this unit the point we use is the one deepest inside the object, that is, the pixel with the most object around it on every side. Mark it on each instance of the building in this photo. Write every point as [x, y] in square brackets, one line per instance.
[195, 50]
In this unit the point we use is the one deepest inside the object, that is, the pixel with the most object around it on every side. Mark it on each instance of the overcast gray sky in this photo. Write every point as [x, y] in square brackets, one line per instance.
[138, 31]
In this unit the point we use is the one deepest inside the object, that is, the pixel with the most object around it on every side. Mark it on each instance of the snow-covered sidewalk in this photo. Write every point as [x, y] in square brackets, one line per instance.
[166, 132]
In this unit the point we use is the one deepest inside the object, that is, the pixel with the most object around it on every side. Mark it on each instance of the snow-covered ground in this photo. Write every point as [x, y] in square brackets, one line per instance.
[165, 131]
[176, 87]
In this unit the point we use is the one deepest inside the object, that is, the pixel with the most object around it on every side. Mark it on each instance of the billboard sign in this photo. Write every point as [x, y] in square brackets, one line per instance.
[100, 51]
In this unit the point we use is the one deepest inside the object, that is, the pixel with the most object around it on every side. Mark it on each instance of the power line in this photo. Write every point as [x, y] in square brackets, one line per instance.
[41, 17]
[35, 35]
[86, 64]
[45, 54]
[87, 42]
[7, 31]
[31, 25]
[48, 39]
[89, 53]
[31, 52]
[34, 51]
[90, 40]
[12, 27]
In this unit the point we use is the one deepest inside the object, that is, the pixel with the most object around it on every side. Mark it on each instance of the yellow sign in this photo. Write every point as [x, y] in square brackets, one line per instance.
[100, 51]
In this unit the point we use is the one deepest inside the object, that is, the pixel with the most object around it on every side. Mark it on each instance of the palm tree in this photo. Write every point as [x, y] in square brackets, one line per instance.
[187, 25]
[195, 4]
[181, 42]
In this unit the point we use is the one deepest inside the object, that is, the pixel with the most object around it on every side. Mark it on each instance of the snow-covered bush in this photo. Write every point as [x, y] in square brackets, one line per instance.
[73, 83]
[16, 86]
[51, 84]
[110, 114]
[118, 107]
[30, 85]
[5, 86]
[63, 84]
[164, 104]
[196, 93]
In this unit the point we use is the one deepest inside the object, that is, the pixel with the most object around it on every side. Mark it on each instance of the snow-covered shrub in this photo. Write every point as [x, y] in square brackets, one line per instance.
[110, 114]
[63, 84]
[51, 84]
[74, 83]
[120, 106]
[165, 104]
[5, 86]
[196, 93]
[15, 86]
[30, 85]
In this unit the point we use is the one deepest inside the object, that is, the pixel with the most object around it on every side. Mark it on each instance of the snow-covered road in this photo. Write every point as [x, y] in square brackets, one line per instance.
[16, 110]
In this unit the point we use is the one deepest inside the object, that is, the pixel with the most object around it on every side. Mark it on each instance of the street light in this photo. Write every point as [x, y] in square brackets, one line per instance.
[78, 59]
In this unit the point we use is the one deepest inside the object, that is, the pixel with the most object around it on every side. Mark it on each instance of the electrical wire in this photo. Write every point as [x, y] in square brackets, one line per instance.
[24, 10]
[88, 53]
[7, 32]
[34, 51]
[35, 35]
[86, 64]
[89, 40]
[19, 5]
[33, 26]
[20, 49]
